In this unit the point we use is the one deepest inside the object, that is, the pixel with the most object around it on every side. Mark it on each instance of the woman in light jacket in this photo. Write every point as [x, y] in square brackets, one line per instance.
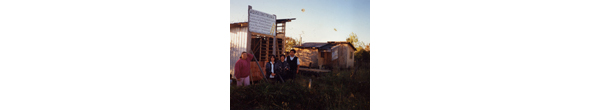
[270, 67]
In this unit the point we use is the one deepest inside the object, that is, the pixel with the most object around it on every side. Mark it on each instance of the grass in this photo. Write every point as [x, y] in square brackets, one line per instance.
[342, 89]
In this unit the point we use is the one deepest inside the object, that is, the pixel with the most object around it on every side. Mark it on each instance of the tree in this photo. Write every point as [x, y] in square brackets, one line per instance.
[362, 52]
[352, 39]
[362, 55]
[290, 43]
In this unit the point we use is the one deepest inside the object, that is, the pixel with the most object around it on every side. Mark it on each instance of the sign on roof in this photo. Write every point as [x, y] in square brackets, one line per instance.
[261, 22]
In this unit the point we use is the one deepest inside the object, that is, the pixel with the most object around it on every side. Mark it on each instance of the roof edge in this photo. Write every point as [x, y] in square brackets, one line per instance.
[245, 24]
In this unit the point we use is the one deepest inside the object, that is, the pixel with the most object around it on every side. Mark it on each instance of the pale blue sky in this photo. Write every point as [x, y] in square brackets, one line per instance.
[319, 19]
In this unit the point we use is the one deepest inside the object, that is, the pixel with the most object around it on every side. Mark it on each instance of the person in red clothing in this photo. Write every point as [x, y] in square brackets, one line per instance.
[242, 69]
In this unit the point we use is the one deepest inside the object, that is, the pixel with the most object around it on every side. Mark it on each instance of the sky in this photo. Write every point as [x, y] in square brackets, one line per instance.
[317, 22]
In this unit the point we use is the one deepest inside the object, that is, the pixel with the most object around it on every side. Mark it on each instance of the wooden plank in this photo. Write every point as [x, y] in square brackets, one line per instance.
[260, 50]
[314, 70]
[259, 34]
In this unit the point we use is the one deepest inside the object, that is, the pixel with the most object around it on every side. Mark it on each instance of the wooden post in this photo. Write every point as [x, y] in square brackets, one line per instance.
[309, 83]
[283, 39]
[275, 37]
[249, 39]
[260, 50]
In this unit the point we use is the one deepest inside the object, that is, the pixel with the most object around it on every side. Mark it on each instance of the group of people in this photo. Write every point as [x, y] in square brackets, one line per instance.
[280, 68]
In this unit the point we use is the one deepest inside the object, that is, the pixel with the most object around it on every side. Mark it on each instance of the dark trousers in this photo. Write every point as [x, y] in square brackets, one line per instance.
[292, 74]
[281, 76]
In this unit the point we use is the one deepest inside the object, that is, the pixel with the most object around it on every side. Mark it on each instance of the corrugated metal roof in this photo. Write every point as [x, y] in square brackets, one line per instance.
[312, 44]
[328, 46]
[321, 45]
[341, 42]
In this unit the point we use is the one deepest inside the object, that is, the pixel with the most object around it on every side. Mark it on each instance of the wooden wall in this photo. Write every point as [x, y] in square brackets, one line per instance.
[307, 56]
[255, 71]
[349, 56]
[345, 57]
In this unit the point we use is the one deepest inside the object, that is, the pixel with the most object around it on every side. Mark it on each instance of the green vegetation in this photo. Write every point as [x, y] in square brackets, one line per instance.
[363, 51]
[291, 42]
[345, 89]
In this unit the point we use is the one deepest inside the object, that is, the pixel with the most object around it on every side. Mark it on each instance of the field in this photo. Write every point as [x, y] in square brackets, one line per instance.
[339, 89]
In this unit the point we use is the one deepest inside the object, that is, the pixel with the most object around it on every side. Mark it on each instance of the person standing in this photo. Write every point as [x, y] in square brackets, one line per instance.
[242, 69]
[283, 67]
[270, 67]
[293, 62]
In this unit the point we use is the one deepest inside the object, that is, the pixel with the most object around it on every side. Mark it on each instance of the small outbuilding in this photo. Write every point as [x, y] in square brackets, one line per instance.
[326, 55]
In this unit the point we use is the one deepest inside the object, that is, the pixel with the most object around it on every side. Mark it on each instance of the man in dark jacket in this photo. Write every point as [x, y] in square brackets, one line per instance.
[282, 67]
[294, 63]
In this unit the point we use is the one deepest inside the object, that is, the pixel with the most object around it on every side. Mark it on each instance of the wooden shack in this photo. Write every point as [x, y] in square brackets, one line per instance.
[326, 55]
[261, 45]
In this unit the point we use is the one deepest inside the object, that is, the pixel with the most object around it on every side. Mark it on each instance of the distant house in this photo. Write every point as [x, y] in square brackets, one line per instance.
[328, 55]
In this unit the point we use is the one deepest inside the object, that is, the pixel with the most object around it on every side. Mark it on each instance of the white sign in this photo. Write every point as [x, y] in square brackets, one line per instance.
[261, 22]
[334, 53]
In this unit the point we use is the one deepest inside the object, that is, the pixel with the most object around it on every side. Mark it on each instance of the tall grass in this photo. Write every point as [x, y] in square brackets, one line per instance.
[336, 90]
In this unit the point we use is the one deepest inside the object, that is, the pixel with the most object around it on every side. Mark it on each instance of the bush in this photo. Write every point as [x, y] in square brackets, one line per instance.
[362, 55]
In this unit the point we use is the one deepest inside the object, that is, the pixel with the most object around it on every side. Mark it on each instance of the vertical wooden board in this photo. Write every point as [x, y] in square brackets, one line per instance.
[342, 58]
[327, 60]
[280, 45]
[336, 64]
[283, 51]
[320, 59]
[346, 56]
[249, 41]
[346, 60]
[255, 71]
[260, 52]
[267, 46]
[350, 57]
[315, 58]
